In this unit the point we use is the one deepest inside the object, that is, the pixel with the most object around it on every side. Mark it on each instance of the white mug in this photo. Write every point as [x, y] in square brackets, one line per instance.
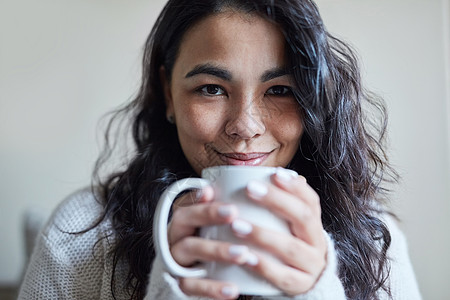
[229, 183]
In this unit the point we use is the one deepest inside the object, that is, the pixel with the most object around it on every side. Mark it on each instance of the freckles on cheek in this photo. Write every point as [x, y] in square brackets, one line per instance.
[198, 126]
[289, 132]
[196, 130]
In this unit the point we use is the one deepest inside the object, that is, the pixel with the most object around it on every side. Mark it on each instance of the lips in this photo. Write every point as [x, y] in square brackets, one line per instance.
[243, 159]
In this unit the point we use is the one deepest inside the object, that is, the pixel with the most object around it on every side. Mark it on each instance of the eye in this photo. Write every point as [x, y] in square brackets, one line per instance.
[211, 90]
[279, 90]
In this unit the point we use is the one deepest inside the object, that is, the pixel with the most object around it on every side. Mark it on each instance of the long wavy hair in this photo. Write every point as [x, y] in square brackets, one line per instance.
[341, 151]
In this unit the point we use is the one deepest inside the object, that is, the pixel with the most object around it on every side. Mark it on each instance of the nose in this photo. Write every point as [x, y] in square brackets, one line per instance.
[245, 120]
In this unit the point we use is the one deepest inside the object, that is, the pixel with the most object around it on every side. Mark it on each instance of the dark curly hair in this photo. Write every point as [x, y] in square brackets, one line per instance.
[341, 151]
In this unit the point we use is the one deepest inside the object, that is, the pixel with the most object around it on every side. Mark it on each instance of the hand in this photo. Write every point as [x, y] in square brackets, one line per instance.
[192, 211]
[303, 254]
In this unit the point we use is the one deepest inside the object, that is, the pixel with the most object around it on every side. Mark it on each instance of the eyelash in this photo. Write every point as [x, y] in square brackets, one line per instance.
[287, 91]
[203, 90]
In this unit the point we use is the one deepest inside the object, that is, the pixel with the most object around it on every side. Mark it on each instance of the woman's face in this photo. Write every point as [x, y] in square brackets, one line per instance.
[231, 96]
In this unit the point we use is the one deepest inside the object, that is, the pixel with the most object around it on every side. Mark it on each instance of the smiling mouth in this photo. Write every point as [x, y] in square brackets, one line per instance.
[243, 159]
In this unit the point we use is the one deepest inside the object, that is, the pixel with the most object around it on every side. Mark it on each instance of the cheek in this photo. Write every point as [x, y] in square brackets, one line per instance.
[197, 124]
[288, 129]
[291, 133]
[198, 127]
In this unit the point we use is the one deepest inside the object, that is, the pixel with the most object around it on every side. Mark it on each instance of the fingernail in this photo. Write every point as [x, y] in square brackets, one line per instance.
[257, 189]
[241, 227]
[237, 250]
[199, 193]
[251, 259]
[230, 291]
[205, 192]
[225, 210]
[285, 174]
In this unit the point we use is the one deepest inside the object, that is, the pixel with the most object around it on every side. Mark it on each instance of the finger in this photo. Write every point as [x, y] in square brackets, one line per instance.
[298, 186]
[208, 288]
[206, 194]
[289, 249]
[193, 249]
[186, 220]
[288, 279]
[304, 222]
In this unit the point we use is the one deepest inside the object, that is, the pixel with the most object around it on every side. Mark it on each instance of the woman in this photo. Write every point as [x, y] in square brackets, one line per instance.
[247, 83]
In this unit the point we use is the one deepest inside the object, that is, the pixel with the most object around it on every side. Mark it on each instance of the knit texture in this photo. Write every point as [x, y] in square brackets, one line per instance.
[67, 264]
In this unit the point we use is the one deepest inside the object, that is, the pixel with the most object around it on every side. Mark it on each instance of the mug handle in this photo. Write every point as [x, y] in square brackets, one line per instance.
[160, 226]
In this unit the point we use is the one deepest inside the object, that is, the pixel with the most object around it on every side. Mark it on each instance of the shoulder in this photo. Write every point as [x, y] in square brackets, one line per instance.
[402, 279]
[398, 247]
[398, 239]
[71, 255]
[76, 212]
[77, 221]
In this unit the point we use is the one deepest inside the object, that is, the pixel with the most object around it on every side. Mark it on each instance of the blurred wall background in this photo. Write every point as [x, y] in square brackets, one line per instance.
[63, 64]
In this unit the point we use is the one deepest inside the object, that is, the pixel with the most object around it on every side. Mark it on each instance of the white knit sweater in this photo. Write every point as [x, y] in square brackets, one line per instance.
[74, 266]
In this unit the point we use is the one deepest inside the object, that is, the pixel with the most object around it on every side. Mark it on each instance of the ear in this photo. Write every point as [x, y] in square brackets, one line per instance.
[167, 93]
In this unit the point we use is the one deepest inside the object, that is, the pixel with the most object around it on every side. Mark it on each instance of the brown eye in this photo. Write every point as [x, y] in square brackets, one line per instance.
[279, 90]
[212, 90]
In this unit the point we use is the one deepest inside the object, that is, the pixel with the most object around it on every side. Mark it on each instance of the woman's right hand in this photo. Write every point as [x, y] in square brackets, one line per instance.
[190, 212]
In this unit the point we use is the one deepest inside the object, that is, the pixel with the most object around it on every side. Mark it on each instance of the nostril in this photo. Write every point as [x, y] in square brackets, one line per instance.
[245, 127]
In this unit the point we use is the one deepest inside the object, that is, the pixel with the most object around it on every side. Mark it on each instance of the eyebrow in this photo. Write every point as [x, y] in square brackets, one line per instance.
[274, 73]
[210, 70]
[221, 73]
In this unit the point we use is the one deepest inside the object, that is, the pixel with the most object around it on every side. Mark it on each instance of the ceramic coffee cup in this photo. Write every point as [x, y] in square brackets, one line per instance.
[229, 183]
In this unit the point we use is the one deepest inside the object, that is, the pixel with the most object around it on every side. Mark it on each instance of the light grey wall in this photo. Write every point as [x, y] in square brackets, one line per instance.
[63, 64]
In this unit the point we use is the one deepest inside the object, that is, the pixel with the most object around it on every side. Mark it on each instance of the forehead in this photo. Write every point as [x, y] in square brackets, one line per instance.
[233, 23]
[233, 36]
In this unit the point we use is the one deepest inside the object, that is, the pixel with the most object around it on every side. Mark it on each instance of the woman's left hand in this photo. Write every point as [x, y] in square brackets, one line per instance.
[303, 254]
